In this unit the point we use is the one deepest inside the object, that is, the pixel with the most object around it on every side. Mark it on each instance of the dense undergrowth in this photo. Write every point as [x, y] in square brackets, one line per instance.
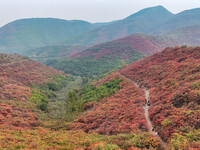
[121, 112]
[173, 78]
[106, 114]
[41, 138]
[77, 100]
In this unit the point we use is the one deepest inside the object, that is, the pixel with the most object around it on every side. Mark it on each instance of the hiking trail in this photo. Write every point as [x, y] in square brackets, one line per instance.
[146, 111]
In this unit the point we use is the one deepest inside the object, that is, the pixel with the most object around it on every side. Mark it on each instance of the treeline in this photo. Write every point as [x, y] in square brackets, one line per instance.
[90, 67]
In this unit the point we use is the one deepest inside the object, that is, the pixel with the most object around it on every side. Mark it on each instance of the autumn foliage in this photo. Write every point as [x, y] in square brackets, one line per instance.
[17, 75]
[173, 77]
[118, 113]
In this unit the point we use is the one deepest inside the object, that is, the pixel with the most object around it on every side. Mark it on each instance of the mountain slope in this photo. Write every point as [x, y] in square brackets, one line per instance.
[172, 77]
[42, 54]
[143, 43]
[24, 126]
[189, 35]
[20, 94]
[185, 18]
[104, 57]
[143, 21]
[38, 32]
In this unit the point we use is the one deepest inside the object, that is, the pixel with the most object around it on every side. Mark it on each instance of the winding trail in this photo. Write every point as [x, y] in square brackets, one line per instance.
[146, 112]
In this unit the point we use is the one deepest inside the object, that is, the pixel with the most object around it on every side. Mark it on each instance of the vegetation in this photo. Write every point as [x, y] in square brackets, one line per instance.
[42, 54]
[44, 138]
[172, 77]
[88, 66]
[76, 100]
[40, 99]
[42, 108]
[121, 112]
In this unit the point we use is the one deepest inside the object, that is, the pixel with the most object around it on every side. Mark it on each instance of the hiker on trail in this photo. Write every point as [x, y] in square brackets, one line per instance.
[152, 128]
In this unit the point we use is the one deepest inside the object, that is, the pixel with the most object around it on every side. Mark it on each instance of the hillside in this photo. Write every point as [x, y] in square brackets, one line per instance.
[188, 35]
[143, 21]
[172, 77]
[37, 32]
[20, 94]
[182, 19]
[143, 43]
[42, 54]
[25, 91]
[104, 57]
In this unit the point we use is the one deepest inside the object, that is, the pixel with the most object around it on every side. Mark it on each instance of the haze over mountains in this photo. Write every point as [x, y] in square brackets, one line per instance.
[148, 31]
[155, 20]
[37, 32]
[26, 34]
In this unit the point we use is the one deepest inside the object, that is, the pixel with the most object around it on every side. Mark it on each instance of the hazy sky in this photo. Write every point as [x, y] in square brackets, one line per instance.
[88, 10]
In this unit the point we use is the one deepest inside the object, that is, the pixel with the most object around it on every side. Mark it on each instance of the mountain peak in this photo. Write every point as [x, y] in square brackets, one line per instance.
[152, 10]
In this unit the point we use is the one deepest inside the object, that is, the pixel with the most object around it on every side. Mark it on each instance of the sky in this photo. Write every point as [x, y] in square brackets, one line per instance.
[88, 10]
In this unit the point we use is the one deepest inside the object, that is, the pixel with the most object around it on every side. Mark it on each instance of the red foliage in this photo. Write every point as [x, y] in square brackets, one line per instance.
[16, 77]
[174, 82]
[119, 113]
[17, 73]
[15, 117]
[123, 47]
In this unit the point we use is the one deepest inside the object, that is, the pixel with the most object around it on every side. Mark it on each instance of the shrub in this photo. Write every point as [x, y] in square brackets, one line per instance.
[40, 99]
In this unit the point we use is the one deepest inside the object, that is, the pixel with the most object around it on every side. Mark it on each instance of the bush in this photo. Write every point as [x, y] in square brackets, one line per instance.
[40, 99]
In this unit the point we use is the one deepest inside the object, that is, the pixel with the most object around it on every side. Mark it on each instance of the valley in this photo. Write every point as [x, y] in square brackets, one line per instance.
[128, 84]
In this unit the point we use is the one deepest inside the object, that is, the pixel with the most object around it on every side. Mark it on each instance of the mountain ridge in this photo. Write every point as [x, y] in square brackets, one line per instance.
[37, 32]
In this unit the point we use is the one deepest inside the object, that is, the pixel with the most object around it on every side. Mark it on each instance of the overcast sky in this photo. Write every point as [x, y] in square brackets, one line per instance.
[88, 10]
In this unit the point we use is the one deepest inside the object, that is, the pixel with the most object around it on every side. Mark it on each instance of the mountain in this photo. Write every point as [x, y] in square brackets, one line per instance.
[173, 81]
[155, 20]
[185, 18]
[188, 35]
[104, 57]
[143, 21]
[38, 32]
[99, 24]
[42, 54]
[144, 43]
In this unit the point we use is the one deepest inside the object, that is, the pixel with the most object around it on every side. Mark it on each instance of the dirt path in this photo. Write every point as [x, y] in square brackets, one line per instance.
[146, 112]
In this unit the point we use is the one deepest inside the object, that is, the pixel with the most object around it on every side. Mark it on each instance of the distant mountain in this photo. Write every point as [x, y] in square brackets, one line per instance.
[143, 21]
[104, 57]
[143, 43]
[154, 20]
[189, 35]
[42, 54]
[185, 18]
[37, 32]
[99, 24]
[31, 36]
